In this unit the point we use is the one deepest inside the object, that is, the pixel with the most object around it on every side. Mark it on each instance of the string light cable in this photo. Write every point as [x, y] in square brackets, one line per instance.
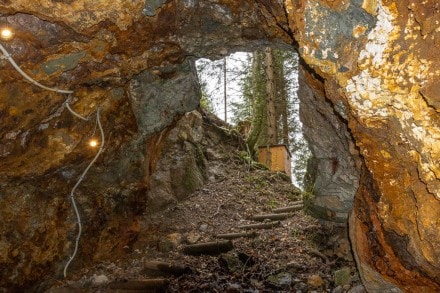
[72, 192]
[74, 113]
[7, 56]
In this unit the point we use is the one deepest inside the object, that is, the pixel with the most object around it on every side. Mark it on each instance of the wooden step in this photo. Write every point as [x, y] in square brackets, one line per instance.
[131, 290]
[279, 216]
[268, 225]
[210, 248]
[164, 268]
[145, 285]
[237, 235]
[289, 209]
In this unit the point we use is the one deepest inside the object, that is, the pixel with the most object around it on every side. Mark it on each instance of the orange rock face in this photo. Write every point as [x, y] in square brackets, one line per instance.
[376, 62]
[390, 92]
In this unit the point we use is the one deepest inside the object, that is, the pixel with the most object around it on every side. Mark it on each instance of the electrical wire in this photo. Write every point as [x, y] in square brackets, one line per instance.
[72, 195]
[74, 113]
[6, 54]
[101, 148]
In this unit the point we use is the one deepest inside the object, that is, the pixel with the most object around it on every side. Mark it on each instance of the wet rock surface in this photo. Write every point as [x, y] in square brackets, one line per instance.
[375, 62]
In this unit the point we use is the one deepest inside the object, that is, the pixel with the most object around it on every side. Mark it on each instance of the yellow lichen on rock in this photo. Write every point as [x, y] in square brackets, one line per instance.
[370, 6]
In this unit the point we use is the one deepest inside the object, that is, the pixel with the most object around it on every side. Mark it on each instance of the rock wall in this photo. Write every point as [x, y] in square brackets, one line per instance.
[332, 172]
[382, 64]
[371, 67]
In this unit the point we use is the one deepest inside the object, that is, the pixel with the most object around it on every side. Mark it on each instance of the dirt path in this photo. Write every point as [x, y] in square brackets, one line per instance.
[283, 258]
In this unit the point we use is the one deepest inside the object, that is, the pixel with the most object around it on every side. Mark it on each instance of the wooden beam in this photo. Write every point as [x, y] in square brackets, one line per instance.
[210, 248]
[237, 235]
[275, 217]
[289, 209]
[260, 226]
[166, 268]
[143, 284]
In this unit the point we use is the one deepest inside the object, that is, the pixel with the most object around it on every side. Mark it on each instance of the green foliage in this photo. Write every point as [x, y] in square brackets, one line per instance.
[308, 196]
[257, 92]
[295, 233]
[273, 203]
[258, 182]
[249, 72]
[212, 80]
[244, 157]
[206, 103]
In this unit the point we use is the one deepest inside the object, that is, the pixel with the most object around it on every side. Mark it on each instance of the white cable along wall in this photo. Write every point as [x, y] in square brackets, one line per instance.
[8, 57]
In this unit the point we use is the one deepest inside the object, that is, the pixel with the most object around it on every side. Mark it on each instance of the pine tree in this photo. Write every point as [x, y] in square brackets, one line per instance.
[268, 86]
[282, 98]
[258, 133]
[271, 126]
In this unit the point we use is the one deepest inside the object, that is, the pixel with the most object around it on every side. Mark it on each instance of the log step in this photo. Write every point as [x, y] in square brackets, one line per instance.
[210, 248]
[237, 235]
[145, 285]
[154, 290]
[260, 226]
[279, 216]
[164, 268]
[289, 209]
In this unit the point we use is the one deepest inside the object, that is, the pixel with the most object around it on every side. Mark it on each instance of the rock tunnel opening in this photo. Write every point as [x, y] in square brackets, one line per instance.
[333, 166]
[370, 112]
[235, 89]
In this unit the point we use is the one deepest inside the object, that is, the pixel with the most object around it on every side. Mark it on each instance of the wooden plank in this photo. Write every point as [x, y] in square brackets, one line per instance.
[289, 209]
[260, 226]
[153, 290]
[237, 235]
[165, 268]
[143, 284]
[279, 216]
[210, 248]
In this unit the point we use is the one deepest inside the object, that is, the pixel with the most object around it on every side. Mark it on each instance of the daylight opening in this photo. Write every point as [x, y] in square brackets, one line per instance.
[257, 94]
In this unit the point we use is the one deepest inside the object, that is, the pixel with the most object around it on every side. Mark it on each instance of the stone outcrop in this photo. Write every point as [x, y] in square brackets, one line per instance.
[332, 175]
[371, 69]
[394, 128]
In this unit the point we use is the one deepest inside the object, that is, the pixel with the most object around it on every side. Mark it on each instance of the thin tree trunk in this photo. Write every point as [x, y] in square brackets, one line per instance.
[257, 133]
[270, 98]
[224, 89]
[284, 105]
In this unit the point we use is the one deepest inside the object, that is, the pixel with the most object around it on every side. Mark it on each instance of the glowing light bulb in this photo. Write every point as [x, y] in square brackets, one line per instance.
[93, 143]
[6, 33]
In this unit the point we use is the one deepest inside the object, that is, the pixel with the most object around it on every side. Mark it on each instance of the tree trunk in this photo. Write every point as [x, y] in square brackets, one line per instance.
[284, 107]
[224, 89]
[272, 133]
[257, 134]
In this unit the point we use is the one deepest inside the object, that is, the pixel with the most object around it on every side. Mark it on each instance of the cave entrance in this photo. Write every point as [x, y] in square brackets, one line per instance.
[323, 165]
[235, 88]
